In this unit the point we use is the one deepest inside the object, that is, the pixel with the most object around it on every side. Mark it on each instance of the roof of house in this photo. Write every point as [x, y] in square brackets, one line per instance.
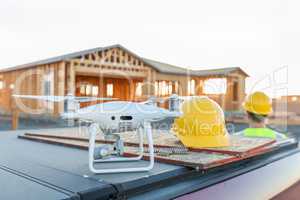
[159, 66]
[219, 71]
[57, 58]
[165, 68]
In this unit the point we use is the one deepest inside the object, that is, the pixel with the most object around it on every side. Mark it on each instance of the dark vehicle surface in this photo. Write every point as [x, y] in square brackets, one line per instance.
[31, 170]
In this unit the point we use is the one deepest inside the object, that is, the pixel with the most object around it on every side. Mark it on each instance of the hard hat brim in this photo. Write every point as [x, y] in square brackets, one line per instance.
[259, 111]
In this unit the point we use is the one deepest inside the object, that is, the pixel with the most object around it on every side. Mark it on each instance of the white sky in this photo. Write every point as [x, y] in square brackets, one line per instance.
[259, 36]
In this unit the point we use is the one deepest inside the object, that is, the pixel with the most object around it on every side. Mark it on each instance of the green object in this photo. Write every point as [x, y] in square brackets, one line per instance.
[260, 132]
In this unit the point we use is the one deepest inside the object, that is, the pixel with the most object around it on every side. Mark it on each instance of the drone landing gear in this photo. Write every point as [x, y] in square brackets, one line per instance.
[94, 129]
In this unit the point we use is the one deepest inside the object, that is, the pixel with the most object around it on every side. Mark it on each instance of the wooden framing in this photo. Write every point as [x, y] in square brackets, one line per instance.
[105, 65]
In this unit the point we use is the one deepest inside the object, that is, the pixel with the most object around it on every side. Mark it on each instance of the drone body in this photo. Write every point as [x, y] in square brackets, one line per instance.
[120, 115]
[109, 117]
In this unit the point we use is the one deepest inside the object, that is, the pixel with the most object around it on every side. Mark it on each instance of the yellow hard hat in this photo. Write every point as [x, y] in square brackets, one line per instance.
[202, 124]
[258, 103]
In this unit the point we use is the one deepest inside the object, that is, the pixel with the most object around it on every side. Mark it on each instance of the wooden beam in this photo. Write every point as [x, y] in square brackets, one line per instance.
[15, 114]
[103, 64]
[56, 85]
[71, 78]
[61, 84]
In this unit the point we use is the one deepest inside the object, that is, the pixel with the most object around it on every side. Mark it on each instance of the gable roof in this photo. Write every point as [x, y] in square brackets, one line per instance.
[172, 69]
[219, 71]
[58, 58]
[165, 68]
[159, 66]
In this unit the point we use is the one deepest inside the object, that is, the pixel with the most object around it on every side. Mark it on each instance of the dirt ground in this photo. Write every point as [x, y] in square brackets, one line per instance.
[5, 123]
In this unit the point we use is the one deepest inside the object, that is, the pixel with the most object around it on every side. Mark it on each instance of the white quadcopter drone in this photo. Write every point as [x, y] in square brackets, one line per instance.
[111, 118]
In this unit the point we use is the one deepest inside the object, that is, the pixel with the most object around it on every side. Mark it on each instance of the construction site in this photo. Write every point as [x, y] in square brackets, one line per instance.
[158, 100]
[115, 125]
[116, 72]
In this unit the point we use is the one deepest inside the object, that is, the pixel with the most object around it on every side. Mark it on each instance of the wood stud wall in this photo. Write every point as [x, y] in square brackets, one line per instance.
[31, 84]
[114, 63]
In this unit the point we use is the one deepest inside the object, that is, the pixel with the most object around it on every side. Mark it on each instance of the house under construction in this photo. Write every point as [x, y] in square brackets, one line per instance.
[114, 71]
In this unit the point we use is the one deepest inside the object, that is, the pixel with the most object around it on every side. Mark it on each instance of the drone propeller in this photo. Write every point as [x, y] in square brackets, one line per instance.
[182, 98]
[153, 100]
[62, 98]
[87, 99]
